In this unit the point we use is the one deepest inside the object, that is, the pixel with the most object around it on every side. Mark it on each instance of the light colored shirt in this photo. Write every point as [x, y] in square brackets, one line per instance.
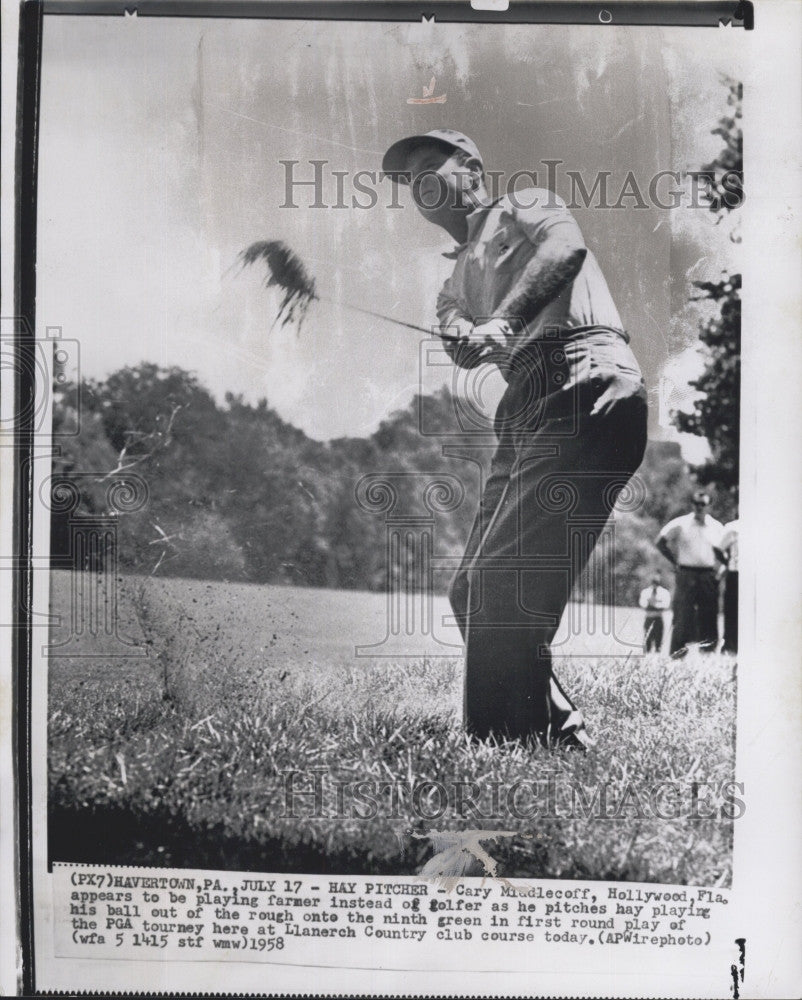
[502, 238]
[729, 545]
[691, 543]
[655, 598]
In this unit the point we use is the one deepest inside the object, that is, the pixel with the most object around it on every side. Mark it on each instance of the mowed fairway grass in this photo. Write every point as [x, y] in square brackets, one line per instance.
[180, 754]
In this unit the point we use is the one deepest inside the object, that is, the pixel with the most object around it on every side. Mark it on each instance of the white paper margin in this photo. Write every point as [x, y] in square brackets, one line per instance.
[767, 883]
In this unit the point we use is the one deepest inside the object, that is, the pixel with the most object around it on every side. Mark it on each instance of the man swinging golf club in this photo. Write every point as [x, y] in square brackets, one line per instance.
[527, 295]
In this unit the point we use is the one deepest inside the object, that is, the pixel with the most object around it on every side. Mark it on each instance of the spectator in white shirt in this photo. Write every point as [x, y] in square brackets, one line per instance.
[689, 543]
[654, 600]
[727, 552]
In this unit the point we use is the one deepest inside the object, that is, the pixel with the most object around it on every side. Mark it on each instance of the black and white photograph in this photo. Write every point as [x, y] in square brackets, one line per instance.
[405, 347]
[387, 474]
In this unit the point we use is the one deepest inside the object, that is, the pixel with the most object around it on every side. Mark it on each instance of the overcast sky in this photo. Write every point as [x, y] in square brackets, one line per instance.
[161, 142]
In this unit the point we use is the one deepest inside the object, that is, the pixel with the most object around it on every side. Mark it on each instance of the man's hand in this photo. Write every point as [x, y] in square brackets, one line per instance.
[472, 344]
[493, 333]
[487, 341]
[665, 549]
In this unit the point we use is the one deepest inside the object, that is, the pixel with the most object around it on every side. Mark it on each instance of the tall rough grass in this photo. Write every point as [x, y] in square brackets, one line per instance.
[183, 759]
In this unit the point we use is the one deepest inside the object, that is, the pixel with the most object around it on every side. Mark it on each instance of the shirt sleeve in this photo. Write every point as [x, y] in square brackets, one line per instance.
[669, 531]
[449, 309]
[452, 317]
[540, 214]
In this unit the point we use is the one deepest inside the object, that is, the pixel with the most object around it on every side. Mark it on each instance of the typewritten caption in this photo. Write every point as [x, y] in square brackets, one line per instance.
[141, 914]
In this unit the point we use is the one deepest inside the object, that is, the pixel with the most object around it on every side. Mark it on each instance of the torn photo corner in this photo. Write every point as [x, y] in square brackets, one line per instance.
[392, 577]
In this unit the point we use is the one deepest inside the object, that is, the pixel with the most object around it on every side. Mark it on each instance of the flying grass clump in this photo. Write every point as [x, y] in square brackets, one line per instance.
[285, 270]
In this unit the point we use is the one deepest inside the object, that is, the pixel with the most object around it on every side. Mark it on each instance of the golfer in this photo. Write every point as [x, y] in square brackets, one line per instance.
[527, 295]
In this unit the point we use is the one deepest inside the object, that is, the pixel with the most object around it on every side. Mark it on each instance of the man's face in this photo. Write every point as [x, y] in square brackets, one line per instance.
[700, 509]
[441, 182]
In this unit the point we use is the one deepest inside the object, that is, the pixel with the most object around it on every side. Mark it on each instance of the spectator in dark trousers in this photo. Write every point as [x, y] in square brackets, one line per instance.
[655, 601]
[727, 552]
[689, 543]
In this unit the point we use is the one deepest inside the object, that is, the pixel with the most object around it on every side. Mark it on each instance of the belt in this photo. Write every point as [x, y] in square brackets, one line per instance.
[698, 569]
[578, 332]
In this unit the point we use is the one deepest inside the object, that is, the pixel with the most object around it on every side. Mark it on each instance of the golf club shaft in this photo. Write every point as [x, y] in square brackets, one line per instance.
[398, 322]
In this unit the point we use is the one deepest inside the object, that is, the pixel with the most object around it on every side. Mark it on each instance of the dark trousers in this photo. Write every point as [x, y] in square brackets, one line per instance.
[652, 633]
[730, 644]
[572, 430]
[695, 608]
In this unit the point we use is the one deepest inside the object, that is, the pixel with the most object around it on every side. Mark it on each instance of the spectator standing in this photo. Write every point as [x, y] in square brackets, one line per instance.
[727, 552]
[655, 601]
[689, 543]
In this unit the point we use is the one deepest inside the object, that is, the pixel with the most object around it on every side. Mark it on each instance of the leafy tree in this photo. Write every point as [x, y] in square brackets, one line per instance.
[725, 173]
[237, 493]
[716, 414]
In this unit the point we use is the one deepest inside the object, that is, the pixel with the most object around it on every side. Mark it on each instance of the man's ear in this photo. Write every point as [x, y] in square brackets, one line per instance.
[477, 171]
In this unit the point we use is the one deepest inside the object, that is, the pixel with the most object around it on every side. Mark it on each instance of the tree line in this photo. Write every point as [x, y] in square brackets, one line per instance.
[237, 493]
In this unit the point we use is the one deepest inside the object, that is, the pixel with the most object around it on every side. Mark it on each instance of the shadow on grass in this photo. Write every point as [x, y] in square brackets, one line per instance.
[112, 835]
[115, 835]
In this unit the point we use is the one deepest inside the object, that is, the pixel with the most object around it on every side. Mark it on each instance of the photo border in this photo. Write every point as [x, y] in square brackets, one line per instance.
[710, 14]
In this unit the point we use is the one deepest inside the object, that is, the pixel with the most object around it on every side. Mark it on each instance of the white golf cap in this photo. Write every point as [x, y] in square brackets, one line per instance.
[394, 164]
